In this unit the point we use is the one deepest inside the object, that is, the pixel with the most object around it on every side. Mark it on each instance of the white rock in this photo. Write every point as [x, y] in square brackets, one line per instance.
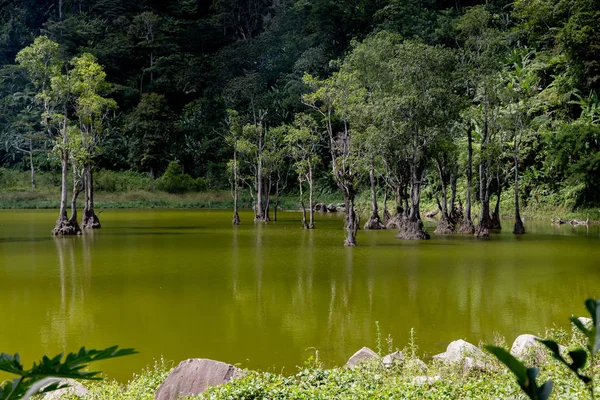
[362, 355]
[458, 351]
[587, 322]
[390, 359]
[522, 344]
[75, 388]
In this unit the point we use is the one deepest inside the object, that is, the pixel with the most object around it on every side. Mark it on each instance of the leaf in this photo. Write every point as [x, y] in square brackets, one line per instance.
[511, 362]
[526, 377]
[579, 358]
[594, 335]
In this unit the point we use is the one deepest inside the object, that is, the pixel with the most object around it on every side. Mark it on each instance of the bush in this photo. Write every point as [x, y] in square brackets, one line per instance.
[175, 181]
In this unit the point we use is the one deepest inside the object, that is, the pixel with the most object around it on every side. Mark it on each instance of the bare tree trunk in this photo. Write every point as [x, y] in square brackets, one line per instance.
[519, 229]
[89, 220]
[304, 224]
[467, 226]
[484, 196]
[64, 226]
[445, 225]
[352, 223]
[259, 192]
[267, 188]
[386, 213]
[412, 228]
[236, 215]
[76, 190]
[31, 163]
[495, 223]
[311, 222]
[374, 221]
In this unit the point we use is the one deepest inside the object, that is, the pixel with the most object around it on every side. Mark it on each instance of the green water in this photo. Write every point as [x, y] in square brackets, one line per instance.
[183, 284]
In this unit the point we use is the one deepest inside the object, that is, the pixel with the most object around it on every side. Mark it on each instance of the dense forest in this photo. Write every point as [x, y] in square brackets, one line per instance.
[396, 98]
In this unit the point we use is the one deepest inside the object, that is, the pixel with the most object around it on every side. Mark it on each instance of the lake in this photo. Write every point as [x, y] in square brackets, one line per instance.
[183, 284]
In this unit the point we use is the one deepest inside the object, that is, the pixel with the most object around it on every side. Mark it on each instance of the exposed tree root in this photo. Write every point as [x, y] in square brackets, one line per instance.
[374, 223]
[90, 220]
[65, 227]
[467, 227]
[445, 226]
[412, 230]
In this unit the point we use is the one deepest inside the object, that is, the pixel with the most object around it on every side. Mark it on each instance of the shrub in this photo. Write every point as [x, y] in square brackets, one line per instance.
[175, 181]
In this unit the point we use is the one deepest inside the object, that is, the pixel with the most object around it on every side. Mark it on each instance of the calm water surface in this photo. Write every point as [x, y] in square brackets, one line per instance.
[183, 284]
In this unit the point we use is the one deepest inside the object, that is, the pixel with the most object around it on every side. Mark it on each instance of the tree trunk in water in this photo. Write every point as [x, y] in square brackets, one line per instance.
[352, 222]
[485, 221]
[386, 214]
[445, 225]
[395, 221]
[267, 188]
[519, 228]
[304, 224]
[467, 225]
[259, 216]
[374, 221]
[311, 222]
[76, 190]
[64, 226]
[412, 228]
[31, 164]
[236, 215]
[89, 220]
[496, 214]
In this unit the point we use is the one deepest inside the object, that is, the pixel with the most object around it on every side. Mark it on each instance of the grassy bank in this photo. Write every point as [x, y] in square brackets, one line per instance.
[137, 190]
[404, 380]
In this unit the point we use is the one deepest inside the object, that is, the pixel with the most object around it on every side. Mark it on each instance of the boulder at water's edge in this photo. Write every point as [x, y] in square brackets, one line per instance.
[194, 376]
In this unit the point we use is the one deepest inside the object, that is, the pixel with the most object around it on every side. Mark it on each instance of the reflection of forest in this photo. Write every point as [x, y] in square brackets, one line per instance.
[263, 295]
[70, 318]
[332, 302]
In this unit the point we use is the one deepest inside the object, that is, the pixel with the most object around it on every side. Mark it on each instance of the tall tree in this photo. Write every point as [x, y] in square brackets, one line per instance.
[91, 110]
[303, 138]
[54, 97]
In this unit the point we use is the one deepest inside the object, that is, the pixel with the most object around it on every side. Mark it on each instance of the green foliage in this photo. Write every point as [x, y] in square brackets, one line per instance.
[36, 379]
[526, 377]
[112, 181]
[174, 180]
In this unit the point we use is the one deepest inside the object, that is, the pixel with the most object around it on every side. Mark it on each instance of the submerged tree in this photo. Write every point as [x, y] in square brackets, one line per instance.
[326, 98]
[424, 109]
[54, 96]
[232, 137]
[521, 85]
[302, 139]
[91, 110]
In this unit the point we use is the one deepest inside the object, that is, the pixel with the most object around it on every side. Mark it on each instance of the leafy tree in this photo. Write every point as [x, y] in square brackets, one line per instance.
[302, 139]
[54, 97]
[151, 128]
[91, 110]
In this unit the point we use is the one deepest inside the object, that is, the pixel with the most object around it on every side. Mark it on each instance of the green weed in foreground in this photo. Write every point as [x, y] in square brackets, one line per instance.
[367, 381]
[575, 360]
[44, 376]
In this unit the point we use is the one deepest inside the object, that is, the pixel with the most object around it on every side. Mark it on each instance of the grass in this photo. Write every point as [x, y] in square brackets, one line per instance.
[369, 380]
[129, 189]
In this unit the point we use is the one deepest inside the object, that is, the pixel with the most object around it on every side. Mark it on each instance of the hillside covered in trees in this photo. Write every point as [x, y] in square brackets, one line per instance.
[454, 99]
